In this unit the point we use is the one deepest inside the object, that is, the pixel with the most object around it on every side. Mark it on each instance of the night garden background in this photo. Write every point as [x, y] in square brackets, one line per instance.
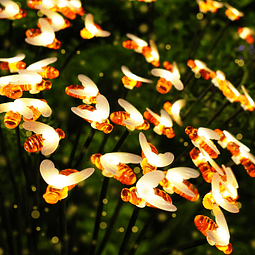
[85, 222]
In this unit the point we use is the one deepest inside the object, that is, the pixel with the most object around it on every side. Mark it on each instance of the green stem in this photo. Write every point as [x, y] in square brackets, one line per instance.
[129, 230]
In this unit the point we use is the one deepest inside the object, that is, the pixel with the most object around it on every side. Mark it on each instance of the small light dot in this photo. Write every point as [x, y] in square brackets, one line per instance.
[38, 228]
[143, 28]
[200, 16]
[40, 14]
[103, 225]
[1, 251]
[197, 75]
[236, 61]
[33, 188]
[101, 74]
[82, 62]
[46, 209]
[185, 144]
[35, 214]
[121, 230]
[239, 136]
[104, 213]
[174, 215]
[134, 229]
[15, 206]
[241, 62]
[63, 51]
[35, 207]
[105, 201]
[78, 52]
[54, 239]
[28, 133]
[162, 217]
[239, 205]
[137, 170]
[144, 8]
[168, 47]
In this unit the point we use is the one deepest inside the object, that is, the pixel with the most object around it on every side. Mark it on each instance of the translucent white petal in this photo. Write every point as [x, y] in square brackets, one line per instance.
[90, 88]
[17, 58]
[41, 63]
[166, 119]
[175, 110]
[208, 133]
[231, 138]
[48, 171]
[248, 96]
[154, 51]
[103, 106]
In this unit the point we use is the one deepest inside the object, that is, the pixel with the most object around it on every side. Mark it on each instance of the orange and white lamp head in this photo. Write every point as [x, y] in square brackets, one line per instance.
[206, 134]
[173, 77]
[91, 29]
[219, 236]
[133, 79]
[135, 119]
[220, 77]
[11, 9]
[232, 13]
[164, 120]
[57, 21]
[145, 190]
[250, 104]
[176, 176]
[99, 115]
[90, 89]
[111, 160]
[153, 55]
[230, 188]
[46, 36]
[50, 136]
[160, 160]
[140, 43]
[12, 62]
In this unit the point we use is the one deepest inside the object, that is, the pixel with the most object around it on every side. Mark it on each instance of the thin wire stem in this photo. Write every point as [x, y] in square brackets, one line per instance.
[102, 196]
[110, 227]
[85, 147]
[62, 227]
[129, 230]
[233, 116]
[182, 247]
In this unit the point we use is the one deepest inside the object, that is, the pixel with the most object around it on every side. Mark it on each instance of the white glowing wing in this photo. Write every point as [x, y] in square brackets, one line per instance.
[90, 88]
[178, 174]
[110, 161]
[248, 96]
[159, 72]
[52, 177]
[212, 162]
[155, 115]
[27, 77]
[154, 50]
[200, 64]
[51, 137]
[218, 197]
[57, 20]
[175, 71]
[17, 58]
[42, 63]
[230, 176]
[132, 76]
[145, 190]
[86, 114]
[160, 160]
[42, 106]
[166, 119]
[103, 107]
[102, 33]
[208, 133]
[46, 37]
[221, 235]
[231, 138]
[136, 118]
[175, 110]
[11, 9]
[137, 40]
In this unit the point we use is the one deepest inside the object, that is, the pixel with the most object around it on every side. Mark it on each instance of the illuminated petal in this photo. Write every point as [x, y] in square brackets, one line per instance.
[218, 197]
[132, 76]
[41, 63]
[136, 118]
[137, 40]
[145, 190]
